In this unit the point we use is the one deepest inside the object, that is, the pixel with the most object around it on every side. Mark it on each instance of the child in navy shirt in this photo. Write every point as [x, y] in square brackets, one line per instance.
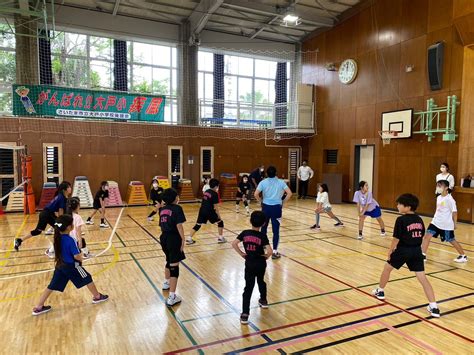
[172, 242]
[99, 205]
[257, 250]
[243, 191]
[68, 259]
[209, 211]
[48, 215]
[155, 196]
[406, 249]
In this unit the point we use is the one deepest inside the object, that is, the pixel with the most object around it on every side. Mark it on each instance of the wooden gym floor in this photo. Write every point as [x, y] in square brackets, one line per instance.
[319, 292]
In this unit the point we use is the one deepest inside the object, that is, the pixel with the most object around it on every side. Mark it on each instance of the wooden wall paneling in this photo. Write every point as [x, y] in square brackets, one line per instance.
[407, 174]
[348, 44]
[466, 132]
[331, 130]
[465, 28]
[386, 181]
[332, 84]
[414, 19]
[440, 14]
[346, 129]
[388, 73]
[413, 52]
[365, 122]
[457, 61]
[388, 20]
[366, 79]
[366, 33]
[462, 8]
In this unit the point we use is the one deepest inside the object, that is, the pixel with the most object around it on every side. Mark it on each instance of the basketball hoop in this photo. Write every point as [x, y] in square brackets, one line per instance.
[387, 136]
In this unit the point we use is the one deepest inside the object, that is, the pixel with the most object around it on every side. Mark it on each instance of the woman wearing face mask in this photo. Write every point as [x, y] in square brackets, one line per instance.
[445, 175]
[155, 197]
[243, 191]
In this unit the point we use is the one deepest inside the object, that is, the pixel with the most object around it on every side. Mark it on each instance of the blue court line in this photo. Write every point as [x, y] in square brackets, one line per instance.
[170, 309]
[313, 296]
[363, 320]
[221, 298]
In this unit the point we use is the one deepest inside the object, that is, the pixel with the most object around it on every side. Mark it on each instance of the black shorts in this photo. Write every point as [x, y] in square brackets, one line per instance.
[96, 205]
[444, 235]
[68, 272]
[46, 217]
[412, 256]
[203, 218]
[240, 195]
[171, 245]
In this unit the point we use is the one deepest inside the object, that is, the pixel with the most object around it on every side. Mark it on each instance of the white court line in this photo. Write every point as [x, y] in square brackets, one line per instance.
[109, 245]
[446, 251]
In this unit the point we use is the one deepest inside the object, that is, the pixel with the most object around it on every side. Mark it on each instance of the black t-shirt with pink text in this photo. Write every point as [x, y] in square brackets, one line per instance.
[410, 229]
[254, 243]
[170, 217]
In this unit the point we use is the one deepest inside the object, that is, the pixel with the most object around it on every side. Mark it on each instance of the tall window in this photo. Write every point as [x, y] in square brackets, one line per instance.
[7, 67]
[153, 69]
[82, 61]
[249, 88]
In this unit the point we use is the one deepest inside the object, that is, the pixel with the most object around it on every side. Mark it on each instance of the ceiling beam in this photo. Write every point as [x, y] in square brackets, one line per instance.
[200, 16]
[116, 7]
[306, 14]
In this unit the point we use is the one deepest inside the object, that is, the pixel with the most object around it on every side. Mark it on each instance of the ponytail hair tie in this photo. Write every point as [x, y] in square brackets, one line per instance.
[59, 225]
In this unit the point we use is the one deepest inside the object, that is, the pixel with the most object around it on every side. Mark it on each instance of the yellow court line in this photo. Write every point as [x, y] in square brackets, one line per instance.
[8, 253]
[112, 264]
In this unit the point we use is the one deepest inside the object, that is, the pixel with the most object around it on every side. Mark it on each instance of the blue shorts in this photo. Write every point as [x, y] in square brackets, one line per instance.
[69, 272]
[444, 235]
[272, 211]
[375, 213]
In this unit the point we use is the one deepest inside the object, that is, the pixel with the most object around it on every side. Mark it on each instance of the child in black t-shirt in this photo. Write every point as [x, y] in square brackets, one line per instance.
[99, 205]
[257, 251]
[406, 248]
[155, 196]
[209, 211]
[172, 242]
[243, 191]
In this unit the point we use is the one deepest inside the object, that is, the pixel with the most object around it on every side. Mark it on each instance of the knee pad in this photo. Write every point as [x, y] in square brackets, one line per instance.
[84, 244]
[35, 232]
[197, 227]
[220, 224]
[246, 203]
[174, 271]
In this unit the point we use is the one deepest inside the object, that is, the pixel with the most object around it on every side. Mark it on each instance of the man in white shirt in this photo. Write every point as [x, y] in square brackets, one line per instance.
[305, 173]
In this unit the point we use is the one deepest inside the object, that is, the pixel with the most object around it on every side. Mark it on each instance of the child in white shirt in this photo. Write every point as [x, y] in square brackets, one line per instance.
[444, 221]
[323, 206]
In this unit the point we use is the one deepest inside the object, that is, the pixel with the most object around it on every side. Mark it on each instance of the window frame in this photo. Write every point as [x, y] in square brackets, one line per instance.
[60, 173]
[203, 173]
[170, 157]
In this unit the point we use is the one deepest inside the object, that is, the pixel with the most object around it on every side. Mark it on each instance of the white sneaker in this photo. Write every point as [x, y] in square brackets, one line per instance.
[50, 231]
[49, 253]
[360, 237]
[383, 234]
[103, 225]
[90, 222]
[171, 301]
[221, 240]
[461, 259]
[150, 219]
[190, 241]
[166, 285]
[247, 210]
[237, 209]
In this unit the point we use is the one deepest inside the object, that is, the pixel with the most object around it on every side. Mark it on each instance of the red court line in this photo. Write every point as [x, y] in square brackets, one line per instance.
[389, 303]
[408, 337]
[217, 342]
[311, 337]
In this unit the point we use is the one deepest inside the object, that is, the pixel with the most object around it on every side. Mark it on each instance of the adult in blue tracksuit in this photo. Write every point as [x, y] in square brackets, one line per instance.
[272, 189]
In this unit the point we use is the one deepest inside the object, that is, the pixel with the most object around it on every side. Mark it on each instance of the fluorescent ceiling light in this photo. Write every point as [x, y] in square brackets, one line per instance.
[291, 18]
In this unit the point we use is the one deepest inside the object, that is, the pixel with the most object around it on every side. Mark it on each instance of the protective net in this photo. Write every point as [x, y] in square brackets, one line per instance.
[223, 92]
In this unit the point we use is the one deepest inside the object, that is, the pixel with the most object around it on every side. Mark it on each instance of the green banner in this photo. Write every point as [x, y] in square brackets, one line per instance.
[56, 101]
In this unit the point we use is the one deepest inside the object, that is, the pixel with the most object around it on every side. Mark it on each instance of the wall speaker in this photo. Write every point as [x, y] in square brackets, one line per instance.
[435, 65]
